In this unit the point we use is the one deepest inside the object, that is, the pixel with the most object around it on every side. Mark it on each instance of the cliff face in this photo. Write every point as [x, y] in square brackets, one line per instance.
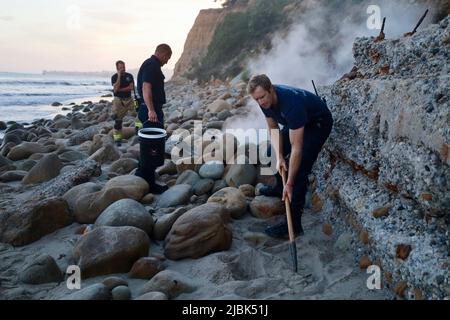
[198, 39]
[386, 170]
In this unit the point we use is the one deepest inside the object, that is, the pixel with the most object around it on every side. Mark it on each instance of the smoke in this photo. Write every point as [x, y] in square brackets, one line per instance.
[319, 46]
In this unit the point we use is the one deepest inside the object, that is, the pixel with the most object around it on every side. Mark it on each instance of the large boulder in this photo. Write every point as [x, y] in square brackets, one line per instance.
[171, 283]
[107, 250]
[76, 192]
[240, 174]
[233, 201]
[72, 156]
[175, 196]
[46, 169]
[198, 232]
[126, 212]
[43, 269]
[203, 186]
[267, 207]
[89, 206]
[34, 220]
[26, 149]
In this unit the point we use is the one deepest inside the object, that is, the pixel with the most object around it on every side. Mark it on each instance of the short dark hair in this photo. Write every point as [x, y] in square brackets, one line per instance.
[163, 49]
[119, 62]
[261, 80]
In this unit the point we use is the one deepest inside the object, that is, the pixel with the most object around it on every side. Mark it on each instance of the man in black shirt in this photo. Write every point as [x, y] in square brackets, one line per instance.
[123, 85]
[150, 86]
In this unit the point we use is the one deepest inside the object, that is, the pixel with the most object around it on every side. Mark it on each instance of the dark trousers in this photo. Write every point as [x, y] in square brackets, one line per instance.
[315, 136]
[147, 169]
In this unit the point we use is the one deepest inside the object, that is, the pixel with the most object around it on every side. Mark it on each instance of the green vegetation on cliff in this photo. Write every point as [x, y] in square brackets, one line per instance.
[239, 32]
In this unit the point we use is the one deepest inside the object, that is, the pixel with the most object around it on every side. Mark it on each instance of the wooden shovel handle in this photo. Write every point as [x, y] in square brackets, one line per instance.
[288, 210]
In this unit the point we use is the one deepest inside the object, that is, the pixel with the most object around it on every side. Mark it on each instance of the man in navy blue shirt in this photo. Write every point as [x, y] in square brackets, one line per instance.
[307, 124]
[150, 86]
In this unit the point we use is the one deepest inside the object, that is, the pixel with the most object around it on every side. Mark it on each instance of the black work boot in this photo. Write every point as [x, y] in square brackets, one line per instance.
[158, 189]
[280, 231]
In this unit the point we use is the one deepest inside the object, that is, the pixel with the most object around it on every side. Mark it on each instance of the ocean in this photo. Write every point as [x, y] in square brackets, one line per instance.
[27, 97]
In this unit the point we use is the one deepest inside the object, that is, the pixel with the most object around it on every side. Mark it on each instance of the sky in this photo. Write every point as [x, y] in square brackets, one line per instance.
[90, 35]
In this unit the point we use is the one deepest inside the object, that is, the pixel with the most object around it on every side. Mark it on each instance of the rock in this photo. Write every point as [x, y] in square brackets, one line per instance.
[381, 212]
[56, 104]
[88, 207]
[62, 123]
[224, 115]
[364, 237]
[33, 220]
[365, 262]
[189, 114]
[267, 207]
[212, 170]
[43, 269]
[146, 268]
[106, 154]
[203, 186]
[94, 292]
[154, 295]
[121, 293]
[188, 177]
[72, 156]
[198, 232]
[400, 288]
[83, 135]
[112, 282]
[168, 168]
[148, 199]
[126, 212]
[124, 166]
[99, 141]
[26, 149]
[3, 125]
[233, 201]
[327, 229]
[317, 203]
[240, 174]
[5, 161]
[164, 223]
[219, 185]
[403, 251]
[171, 283]
[175, 196]
[76, 192]
[14, 175]
[248, 190]
[218, 106]
[26, 165]
[46, 169]
[107, 250]
[344, 242]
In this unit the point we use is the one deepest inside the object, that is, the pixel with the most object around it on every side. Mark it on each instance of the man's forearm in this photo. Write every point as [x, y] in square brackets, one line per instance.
[294, 164]
[277, 141]
[148, 99]
[127, 89]
[116, 86]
